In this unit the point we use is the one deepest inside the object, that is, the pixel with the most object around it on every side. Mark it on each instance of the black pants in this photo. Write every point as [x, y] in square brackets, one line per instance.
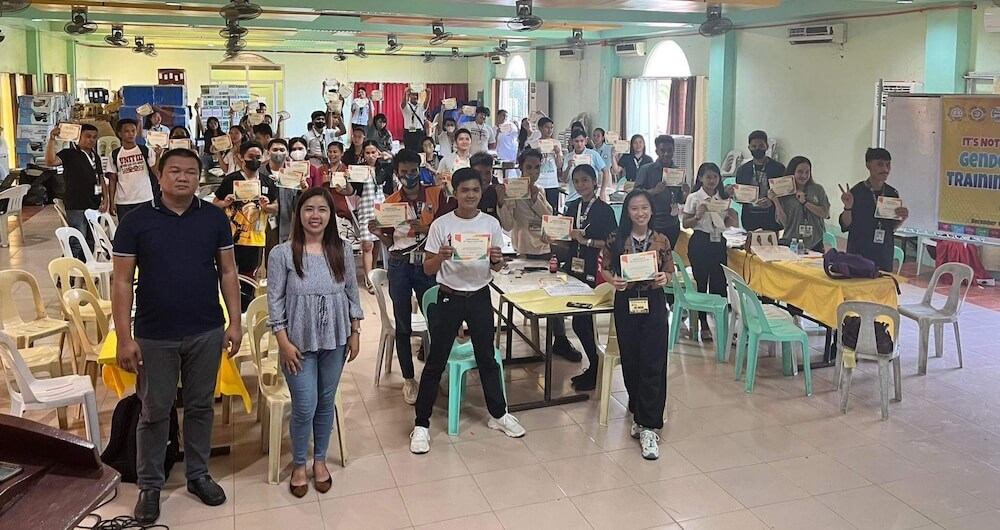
[552, 197]
[642, 340]
[444, 319]
[707, 259]
[583, 326]
[405, 280]
[412, 139]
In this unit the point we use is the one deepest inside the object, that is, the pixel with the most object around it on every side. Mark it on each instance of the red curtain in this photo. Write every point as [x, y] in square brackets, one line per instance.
[681, 91]
[393, 94]
[444, 91]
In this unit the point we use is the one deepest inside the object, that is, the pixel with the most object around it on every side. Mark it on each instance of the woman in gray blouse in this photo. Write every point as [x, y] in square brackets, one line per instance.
[316, 316]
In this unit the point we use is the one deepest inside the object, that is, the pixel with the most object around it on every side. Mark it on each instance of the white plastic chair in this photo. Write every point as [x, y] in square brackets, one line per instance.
[736, 317]
[731, 164]
[78, 302]
[15, 200]
[926, 315]
[922, 245]
[27, 393]
[104, 220]
[387, 342]
[60, 209]
[98, 269]
[105, 146]
[869, 312]
[103, 247]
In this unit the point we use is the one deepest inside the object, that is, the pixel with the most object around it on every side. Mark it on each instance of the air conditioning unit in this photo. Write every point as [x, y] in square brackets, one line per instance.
[496, 58]
[574, 54]
[991, 17]
[538, 97]
[684, 156]
[821, 34]
[630, 49]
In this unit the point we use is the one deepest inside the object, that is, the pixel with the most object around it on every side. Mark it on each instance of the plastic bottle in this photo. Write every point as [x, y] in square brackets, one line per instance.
[553, 264]
[793, 245]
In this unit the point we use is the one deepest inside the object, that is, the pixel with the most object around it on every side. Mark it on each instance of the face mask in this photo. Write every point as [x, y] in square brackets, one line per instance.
[279, 158]
[253, 165]
[412, 180]
[758, 153]
[450, 129]
[298, 155]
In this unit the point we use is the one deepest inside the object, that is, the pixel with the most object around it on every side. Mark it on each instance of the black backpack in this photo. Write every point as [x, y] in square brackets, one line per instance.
[121, 452]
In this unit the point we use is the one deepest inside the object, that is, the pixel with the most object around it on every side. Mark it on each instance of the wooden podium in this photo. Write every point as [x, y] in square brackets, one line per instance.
[63, 478]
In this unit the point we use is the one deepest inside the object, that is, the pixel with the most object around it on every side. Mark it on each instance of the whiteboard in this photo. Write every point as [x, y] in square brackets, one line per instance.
[913, 137]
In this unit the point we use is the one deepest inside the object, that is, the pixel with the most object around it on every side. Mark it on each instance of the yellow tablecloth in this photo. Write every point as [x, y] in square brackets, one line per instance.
[538, 302]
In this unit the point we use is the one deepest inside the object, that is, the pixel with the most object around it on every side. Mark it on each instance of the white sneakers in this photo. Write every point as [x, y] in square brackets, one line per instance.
[420, 440]
[410, 389]
[635, 430]
[507, 424]
[649, 442]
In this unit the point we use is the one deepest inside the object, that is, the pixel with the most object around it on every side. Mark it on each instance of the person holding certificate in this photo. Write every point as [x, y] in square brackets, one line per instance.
[548, 179]
[759, 215]
[523, 217]
[868, 234]
[452, 162]
[594, 222]
[370, 194]
[406, 256]
[641, 315]
[464, 296]
[803, 213]
[707, 248]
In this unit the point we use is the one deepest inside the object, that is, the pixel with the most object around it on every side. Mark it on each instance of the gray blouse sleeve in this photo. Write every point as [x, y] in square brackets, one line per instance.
[351, 284]
[277, 277]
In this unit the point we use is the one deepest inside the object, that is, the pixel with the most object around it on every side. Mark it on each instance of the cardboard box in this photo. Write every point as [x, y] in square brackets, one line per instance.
[135, 96]
[24, 160]
[45, 103]
[34, 133]
[32, 117]
[170, 96]
[25, 146]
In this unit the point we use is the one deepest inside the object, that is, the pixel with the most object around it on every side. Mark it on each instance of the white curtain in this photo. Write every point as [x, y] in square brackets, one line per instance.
[641, 112]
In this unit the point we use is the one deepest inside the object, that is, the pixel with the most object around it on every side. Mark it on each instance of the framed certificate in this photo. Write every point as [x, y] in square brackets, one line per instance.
[782, 186]
[508, 127]
[180, 143]
[337, 178]
[717, 205]
[557, 227]
[518, 188]
[418, 87]
[620, 146]
[391, 214]
[449, 103]
[470, 247]
[639, 267]
[239, 106]
[331, 96]
[158, 139]
[222, 143]
[246, 190]
[69, 132]
[345, 90]
[745, 194]
[547, 145]
[673, 176]
[885, 207]
[255, 119]
[359, 173]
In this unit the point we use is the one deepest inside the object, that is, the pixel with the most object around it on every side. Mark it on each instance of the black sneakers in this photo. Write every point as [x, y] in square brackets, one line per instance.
[207, 490]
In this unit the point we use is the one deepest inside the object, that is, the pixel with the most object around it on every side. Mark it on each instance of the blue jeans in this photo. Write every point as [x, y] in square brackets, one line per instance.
[313, 391]
[77, 219]
[405, 279]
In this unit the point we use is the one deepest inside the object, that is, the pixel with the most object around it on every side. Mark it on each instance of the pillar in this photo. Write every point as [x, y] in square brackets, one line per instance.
[721, 96]
[71, 65]
[948, 51]
[610, 68]
[33, 47]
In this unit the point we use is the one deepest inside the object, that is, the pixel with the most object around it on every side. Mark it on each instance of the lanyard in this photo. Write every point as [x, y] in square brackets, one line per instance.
[581, 214]
[875, 196]
[637, 161]
[645, 242]
[413, 110]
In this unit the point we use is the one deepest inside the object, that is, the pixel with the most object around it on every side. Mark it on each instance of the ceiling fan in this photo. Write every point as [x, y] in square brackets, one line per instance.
[429, 58]
[13, 6]
[341, 55]
[393, 44]
[525, 20]
[78, 24]
[576, 40]
[440, 35]
[240, 10]
[150, 50]
[502, 50]
[233, 29]
[716, 24]
[360, 52]
[456, 54]
[117, 36]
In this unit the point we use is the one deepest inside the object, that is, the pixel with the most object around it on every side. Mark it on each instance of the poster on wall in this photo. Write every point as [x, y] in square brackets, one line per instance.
[969, 198]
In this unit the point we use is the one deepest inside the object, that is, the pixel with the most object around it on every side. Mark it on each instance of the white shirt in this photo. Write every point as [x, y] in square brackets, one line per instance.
[596, 161]
[464, 275]
[507, 143]
[691, 208]
[413, 116]
[359, 111]
[318, 143]
[448, 162]
[134, 185]
[446, 144]
[482, 136]
[159, 128]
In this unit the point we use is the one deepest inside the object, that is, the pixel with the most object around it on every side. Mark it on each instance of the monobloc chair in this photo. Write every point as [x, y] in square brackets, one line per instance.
[60, 209]
[67, 271]
[760, 328]
[900, 256]
[869, 313]
[736, 321]
[15, 199]
[686, 296]
[387, 342]
[276, 398]
[26, 332]
[76, 301]
[98, 269]
[460, 361]
[610, 358]
[927, 315]
[27, 393]
[103, 247]
[829, 240]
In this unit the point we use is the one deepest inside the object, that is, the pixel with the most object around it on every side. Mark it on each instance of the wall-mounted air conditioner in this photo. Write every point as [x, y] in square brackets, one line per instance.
[630, 49]
[573, 54]
[538, 97]
[821, 34]
[496, 58]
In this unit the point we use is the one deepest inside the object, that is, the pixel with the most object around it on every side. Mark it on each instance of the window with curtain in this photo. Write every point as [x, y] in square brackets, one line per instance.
[513, 90]
[662, 100]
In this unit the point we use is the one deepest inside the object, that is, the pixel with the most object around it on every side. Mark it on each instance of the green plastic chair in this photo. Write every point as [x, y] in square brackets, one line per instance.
[460, 361]
[829, 240]
[695, 301]
[900, 256]
[759, 328]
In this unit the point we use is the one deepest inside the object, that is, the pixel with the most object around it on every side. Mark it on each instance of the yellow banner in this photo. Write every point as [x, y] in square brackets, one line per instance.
[969, 197]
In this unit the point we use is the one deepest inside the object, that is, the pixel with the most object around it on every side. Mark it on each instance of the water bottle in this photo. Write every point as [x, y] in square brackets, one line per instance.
[793, 245]
[553, 264]
[802, 247]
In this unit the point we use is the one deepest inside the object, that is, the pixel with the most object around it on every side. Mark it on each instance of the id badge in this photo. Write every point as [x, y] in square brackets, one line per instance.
[577, 266]
[97, 189]
[879, 236]
[417, 258]
[535, 226]
[808, 230]
[715, 237]
[638, 306]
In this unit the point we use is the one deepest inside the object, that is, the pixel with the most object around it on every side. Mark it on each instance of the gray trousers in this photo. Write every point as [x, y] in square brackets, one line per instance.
[195, 361]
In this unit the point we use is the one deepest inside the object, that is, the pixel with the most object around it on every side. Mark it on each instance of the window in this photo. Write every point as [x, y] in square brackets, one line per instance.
[514, 90]
[648, 97]
[667, 60]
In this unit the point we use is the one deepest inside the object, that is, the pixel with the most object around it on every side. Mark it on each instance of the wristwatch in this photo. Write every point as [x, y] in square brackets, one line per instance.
[590, 242]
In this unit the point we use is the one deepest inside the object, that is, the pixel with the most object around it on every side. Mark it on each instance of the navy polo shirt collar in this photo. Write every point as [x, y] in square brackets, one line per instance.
[158, 205]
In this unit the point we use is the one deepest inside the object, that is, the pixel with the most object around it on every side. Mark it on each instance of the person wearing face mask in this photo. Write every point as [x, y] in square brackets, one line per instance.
[319, 136]
[278, 162]
[446, 138]
[668, 199]
[406, 256]
[248, 216]
[761, 214]
[804, 213]
[523, 217]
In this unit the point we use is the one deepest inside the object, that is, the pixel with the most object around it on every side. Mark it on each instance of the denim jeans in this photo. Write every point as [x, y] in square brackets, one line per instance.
[313, 391]
[77, 219]
[405, 279]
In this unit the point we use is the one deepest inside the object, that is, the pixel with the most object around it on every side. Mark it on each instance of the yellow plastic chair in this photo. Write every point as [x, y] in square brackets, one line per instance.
[606, 363]
[26, 332]
[65, 272]
[76, 301]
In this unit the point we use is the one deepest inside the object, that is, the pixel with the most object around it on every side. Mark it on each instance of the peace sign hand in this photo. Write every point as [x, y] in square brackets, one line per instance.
[846, 196]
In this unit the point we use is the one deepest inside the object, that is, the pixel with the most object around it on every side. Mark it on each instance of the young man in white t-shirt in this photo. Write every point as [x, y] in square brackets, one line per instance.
[131, 172]
[484, 136]
[463, 296]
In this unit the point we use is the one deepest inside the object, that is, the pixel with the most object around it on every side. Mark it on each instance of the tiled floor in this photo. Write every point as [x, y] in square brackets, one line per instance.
[729, 460]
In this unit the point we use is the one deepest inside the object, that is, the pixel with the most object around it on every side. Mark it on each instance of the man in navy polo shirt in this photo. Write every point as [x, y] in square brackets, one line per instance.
[183, 248]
